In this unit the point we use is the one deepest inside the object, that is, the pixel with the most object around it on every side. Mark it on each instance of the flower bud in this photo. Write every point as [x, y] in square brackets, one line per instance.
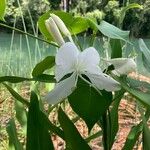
[54, 31]
[62, 27]
[122, 65]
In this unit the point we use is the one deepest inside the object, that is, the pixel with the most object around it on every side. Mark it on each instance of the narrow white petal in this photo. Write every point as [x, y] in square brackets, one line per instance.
[89, 60]
[103, 81]
[66, 58]
[122, 65]
[62, 90]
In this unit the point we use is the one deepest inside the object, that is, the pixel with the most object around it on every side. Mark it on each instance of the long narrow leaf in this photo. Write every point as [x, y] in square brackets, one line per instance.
[13, 137]
[16, 95]
[73, 138]
[134, 134]
[38, 136]
[114, 116]
[40, 78]
[45, 64]
[21, 115]
[129, 85]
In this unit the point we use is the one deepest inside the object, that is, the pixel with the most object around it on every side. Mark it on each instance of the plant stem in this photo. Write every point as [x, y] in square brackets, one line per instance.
[18, 30]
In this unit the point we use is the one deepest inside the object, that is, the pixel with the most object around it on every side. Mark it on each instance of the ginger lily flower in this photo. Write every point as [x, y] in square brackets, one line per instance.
[70, 60]
[123, 66]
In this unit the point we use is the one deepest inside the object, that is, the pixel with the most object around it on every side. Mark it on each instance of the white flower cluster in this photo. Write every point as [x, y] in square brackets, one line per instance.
[70, 60]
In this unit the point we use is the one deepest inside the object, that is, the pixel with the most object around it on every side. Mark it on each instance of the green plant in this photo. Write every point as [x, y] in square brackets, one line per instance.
[82, 83]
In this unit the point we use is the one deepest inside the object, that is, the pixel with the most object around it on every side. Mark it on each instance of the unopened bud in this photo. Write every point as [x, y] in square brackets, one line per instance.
[54, 31]
[62, 27]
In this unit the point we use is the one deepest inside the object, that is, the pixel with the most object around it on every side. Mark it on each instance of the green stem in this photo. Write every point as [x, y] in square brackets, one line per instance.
[18, 30]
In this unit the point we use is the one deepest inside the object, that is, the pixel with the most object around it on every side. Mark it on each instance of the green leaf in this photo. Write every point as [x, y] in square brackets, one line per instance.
[78, 25]
[16, 95]
[41, 78]
[74, 24]
[2, 9]
[44, 78]
[73, 139]
[92, 23]
[114, 116]
[146, 130]
[145, 54]
[45, 64]
[132, 137]
[51, 126]
[137, 91]
[38, 136]
[88, 103]
[125, 9]
[13, 138]
[146, 136]
[21, 115]
[13, 79]
[116, 48]
[134, 134]
[113, 32]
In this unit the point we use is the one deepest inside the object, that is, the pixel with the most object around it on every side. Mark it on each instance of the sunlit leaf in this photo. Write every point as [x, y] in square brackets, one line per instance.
[2, 9]
[74, 24]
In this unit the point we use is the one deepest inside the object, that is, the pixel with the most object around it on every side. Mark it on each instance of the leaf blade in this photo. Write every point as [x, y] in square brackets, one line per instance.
[73, 139]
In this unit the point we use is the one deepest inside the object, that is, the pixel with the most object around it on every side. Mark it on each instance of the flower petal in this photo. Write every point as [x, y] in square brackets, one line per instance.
[66, 58]
[103, 81]
[62, 90]
[89, 60]
[122, 65]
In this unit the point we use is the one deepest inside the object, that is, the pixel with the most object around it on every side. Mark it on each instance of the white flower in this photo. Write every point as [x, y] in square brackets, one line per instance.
[54, 31]
[122, 65]
[70, 60]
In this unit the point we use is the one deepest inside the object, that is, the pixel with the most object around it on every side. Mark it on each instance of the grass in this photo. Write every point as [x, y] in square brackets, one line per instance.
[15, 59]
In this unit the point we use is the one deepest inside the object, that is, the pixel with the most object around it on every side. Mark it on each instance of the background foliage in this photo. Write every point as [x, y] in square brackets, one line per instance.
[136, 20]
